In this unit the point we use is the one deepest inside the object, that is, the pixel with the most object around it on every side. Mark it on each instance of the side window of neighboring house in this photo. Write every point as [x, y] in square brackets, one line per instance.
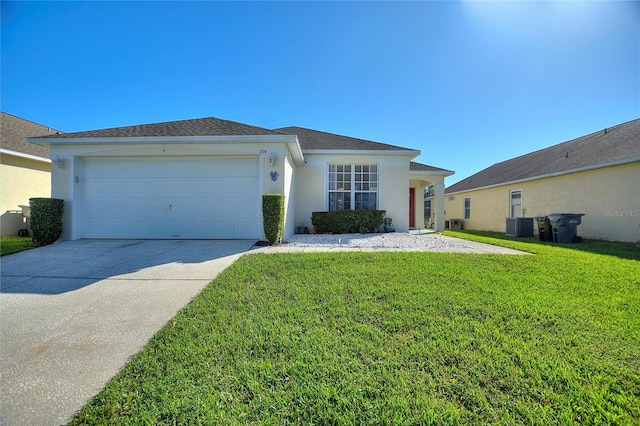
[467, 207]
[515, 203]
[353, 187]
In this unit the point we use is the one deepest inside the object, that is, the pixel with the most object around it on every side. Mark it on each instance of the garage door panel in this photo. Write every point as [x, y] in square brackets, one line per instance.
[206, 197]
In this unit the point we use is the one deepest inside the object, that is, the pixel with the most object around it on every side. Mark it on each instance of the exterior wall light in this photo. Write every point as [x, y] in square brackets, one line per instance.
[60, 163]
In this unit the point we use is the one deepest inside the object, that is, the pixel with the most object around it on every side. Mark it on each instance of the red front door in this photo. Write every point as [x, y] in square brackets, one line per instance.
[412, 213]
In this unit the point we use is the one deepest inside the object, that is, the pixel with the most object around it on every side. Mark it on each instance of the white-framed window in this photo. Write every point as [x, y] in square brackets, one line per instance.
[467, 207]
[353, 186]
[515, 203]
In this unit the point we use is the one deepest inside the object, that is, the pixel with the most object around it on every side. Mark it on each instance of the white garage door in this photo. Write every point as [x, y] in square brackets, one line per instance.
[158, 197]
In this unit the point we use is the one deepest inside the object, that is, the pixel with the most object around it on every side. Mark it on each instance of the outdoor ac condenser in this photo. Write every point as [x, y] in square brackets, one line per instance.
[519, 227]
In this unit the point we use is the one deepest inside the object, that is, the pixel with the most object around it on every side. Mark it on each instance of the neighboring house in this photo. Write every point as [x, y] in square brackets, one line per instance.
[597, 174]
[203, 178]
[25, 169]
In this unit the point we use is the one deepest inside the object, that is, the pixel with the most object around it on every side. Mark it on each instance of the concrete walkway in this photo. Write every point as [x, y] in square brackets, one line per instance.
[73, 313]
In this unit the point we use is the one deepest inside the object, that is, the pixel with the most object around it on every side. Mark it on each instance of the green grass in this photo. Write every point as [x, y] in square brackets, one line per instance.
[10, 245]
[395, 338]
[622, 250]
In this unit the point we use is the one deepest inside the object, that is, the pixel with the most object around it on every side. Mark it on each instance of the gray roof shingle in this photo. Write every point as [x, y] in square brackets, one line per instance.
[419, 167]
[615, 144]
[311, 140]
[209, 126]
[14, 132]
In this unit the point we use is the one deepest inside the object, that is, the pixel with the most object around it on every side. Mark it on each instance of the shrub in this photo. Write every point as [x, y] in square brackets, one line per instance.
[273, 216]
[46, 219]
[343, 221]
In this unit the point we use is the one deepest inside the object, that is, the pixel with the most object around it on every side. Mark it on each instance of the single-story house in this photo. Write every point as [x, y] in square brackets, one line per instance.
[25, 169]
[204, 178]
[597, 174]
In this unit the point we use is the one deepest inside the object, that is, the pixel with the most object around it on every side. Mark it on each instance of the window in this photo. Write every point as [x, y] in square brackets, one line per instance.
[427, 209]
[353, 186]
[515, 203]
[467, 208]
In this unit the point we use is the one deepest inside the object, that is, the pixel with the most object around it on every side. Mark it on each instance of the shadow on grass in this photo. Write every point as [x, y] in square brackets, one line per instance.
[608, 248]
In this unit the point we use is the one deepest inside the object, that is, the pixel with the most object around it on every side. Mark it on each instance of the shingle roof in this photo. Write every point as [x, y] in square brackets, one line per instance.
[14, 132]
[309, 139]
[316, 140]
[419, 167]
[209, 126]
[615, 144]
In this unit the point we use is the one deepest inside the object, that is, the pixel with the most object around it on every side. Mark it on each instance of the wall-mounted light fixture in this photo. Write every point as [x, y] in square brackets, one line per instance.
[272, 159]
[60, 163]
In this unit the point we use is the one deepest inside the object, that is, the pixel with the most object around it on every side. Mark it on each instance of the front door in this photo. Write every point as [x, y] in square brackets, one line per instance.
[412, 213]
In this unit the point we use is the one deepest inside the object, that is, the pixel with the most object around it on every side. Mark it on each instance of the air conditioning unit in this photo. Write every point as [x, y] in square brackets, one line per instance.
[455, 224]
[519, 227]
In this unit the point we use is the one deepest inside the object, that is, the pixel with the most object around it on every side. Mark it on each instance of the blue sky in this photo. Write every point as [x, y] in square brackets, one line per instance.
[468, 83]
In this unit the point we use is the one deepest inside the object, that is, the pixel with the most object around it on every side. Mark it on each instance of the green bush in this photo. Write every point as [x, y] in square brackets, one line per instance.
[347, 221]
[273, 216]
[46, 219]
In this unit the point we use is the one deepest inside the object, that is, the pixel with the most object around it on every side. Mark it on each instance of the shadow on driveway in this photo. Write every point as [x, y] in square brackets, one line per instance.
[74, 313]
[71, 265]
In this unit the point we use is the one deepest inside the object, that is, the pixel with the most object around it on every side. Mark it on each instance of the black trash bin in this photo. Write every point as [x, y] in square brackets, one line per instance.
[564, 227]
[544, 228]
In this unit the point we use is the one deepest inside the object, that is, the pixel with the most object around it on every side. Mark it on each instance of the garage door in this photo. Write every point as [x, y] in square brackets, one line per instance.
[159, 197]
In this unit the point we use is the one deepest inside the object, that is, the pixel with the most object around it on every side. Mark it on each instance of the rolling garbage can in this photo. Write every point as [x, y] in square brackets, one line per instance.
[544, 228]
[564, 227]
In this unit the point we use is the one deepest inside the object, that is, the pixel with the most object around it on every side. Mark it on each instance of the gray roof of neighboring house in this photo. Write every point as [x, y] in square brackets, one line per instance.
[419, 167]
[608, 146]
[209, 126]
[311, 140]
[14, 132]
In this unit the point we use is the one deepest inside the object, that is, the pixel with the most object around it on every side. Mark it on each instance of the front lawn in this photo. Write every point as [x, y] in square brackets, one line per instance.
[395, 338]
[10, 245]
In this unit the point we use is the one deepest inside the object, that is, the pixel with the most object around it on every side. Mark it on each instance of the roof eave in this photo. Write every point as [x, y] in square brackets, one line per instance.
[550, 175]
[433, 172]
[161, 139]
[412, 153]
[296, 152]
[290, 140]
[24, 155]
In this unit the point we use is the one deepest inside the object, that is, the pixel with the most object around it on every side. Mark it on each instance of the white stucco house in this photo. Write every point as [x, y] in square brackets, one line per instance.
[204, 178]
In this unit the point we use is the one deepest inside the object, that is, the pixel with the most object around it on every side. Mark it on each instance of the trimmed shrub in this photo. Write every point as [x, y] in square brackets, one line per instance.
[347, 221]
[273, 216]
[46, 219]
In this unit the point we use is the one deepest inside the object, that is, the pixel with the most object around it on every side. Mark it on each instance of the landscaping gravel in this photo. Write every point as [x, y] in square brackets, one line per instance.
[413, 241]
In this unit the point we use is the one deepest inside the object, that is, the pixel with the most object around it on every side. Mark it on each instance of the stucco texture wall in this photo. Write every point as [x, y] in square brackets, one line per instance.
[21, 178]
[609, 197]
[309, 192]
[393, 190]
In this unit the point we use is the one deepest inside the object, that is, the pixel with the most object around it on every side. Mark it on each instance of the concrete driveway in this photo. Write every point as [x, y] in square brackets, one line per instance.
[73, 313]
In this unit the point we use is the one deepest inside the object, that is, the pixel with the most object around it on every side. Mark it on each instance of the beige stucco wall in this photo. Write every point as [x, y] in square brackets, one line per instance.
[609, 197]
[21, 179]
